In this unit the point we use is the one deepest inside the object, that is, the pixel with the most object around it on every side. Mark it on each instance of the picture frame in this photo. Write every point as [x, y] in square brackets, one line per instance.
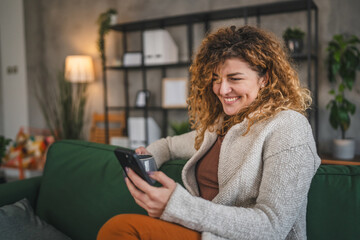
[142, 98]
[175, 92]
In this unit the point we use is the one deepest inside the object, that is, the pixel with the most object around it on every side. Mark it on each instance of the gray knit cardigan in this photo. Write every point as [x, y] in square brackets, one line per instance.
[264, 178]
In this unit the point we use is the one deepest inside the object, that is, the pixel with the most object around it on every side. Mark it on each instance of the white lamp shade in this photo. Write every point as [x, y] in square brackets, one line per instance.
[79, 69]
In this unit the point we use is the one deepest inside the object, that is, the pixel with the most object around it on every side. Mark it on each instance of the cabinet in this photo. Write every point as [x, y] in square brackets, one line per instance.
[256, 12]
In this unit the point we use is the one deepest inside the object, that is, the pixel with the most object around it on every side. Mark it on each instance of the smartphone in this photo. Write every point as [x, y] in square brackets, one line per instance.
[128, 158]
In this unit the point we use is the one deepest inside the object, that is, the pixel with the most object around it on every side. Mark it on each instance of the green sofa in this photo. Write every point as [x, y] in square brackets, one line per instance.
[83, 186]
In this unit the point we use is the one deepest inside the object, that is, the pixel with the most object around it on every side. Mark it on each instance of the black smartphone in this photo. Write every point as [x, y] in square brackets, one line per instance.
[128, 158]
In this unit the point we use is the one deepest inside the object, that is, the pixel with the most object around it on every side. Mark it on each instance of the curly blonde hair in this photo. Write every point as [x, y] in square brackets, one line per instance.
[265, 55]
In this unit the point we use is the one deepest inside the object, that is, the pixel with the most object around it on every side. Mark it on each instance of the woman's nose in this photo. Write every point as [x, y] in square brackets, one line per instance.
[225, 87]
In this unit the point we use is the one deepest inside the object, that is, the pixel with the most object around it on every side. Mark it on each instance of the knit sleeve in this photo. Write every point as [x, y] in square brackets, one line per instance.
[283, 192]
[168, 148]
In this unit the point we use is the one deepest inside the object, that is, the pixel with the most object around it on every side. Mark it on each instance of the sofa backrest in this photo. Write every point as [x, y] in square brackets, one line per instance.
[83, 186]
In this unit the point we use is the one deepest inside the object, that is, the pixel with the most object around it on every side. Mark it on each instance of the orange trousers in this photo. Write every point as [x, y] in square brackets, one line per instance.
[135, 226]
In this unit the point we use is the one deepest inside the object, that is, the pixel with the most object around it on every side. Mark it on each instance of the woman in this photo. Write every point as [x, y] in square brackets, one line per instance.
[252, 154]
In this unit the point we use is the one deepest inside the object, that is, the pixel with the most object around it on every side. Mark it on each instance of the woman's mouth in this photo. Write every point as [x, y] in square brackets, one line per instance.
[231, 100]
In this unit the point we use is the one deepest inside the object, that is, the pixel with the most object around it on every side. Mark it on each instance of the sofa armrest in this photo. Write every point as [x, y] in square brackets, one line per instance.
[334, 203]
[14, 191]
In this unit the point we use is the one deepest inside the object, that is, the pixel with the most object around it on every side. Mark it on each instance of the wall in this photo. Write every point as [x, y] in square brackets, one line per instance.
[57, 28]
[14, 85]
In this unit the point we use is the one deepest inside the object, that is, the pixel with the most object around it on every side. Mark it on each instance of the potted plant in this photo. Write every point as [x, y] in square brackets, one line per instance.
[4, 142]
[63, 109]
[343, 61]
[294, 39]
[180, 127]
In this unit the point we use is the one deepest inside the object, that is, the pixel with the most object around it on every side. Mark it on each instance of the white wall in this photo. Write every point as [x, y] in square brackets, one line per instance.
[14, 94]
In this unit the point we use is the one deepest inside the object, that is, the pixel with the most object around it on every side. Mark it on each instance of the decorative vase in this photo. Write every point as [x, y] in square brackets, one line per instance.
[344, 149]
[113, 19]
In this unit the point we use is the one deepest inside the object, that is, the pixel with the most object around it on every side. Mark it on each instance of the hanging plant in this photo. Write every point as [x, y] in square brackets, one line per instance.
[104, 27]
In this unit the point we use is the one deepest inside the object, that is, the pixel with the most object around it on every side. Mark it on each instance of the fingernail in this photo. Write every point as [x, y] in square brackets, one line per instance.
[126, 169]
[151, 173]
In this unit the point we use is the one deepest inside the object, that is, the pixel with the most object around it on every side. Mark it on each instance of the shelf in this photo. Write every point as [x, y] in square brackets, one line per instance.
[242, 12]
[172, 65]
[303, 56]
[206, 18]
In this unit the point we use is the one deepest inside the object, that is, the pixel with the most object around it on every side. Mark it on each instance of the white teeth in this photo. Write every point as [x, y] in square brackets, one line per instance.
[230, 99]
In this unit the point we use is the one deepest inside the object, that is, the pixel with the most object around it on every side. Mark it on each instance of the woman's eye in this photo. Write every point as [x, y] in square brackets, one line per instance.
[235, 79]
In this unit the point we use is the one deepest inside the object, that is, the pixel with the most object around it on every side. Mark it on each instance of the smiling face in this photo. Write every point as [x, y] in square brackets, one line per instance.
[236, 85]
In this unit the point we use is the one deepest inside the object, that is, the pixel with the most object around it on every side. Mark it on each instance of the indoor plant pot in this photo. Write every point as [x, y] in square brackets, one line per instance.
[344, 148]
[294, 39]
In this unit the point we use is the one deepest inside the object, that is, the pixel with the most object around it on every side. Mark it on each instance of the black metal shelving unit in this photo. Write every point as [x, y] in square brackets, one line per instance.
[188, 20]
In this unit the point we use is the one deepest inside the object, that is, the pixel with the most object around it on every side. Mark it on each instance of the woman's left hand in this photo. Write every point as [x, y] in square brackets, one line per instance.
[152, 199]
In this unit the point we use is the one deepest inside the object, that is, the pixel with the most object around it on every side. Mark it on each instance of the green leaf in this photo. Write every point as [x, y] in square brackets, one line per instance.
[353, 40]
[339, 98]
[180, 128]
[338, 38]
[332, 92]
[349, 82]
[333, 118]
[293, 33]
[349, 107]
[344, 117]
[352, 109]
[341, 88]
[337, 56]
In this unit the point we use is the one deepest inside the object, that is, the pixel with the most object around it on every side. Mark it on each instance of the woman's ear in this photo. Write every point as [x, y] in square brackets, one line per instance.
[264, 80]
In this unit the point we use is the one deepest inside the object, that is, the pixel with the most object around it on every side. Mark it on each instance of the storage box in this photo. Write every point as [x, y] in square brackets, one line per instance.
[159, 48]
[132, 59]
[136, 131]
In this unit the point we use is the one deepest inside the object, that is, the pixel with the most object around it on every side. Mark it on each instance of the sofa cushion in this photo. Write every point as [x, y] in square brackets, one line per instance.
[18, 221]
[83, 186]
[334, 203]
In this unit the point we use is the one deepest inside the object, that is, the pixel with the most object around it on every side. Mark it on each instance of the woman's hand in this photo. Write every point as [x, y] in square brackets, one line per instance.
[152, 199]
[142, 151]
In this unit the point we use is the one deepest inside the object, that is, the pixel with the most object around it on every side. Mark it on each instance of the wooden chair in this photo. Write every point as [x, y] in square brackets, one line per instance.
[117, 123]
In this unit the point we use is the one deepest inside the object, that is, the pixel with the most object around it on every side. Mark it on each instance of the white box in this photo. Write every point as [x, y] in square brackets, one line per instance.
[136, 131]
[120, 141]
[132, 59]
[159, 48]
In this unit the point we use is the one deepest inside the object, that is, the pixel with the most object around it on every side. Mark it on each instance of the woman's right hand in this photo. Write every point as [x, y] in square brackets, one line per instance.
[142, 151]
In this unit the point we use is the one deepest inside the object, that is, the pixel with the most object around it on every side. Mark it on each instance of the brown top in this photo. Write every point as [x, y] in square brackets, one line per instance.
[207, 172]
